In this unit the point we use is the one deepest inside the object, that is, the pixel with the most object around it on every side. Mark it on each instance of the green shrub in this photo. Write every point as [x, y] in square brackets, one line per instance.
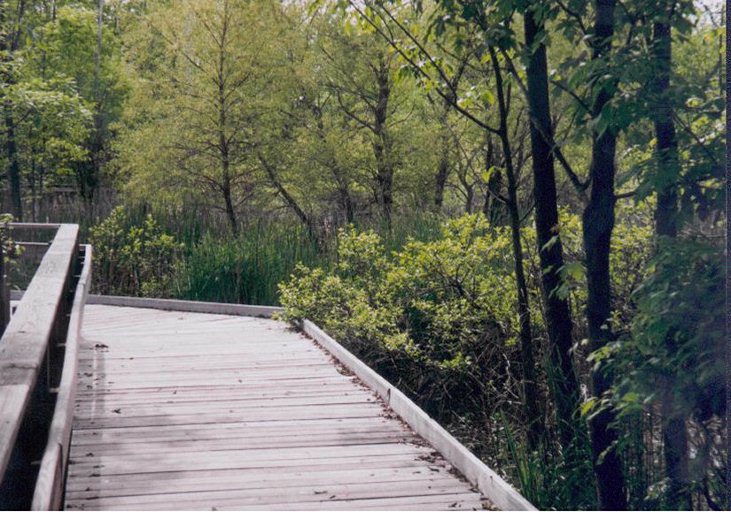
[436, 317]
[132, 259]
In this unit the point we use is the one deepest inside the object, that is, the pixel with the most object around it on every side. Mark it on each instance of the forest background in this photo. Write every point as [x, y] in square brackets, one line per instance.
[513, 210]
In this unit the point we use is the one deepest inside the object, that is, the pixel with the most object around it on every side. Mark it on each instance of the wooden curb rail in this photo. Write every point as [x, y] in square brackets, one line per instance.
[494, 488]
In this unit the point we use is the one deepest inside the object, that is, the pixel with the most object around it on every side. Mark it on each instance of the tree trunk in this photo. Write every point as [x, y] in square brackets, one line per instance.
[13, 172]
[533, 414]
[675, 445]
[564, 383]
[675, 437]
[382, 145]
[598, 224]
[8, 46]
[493, 208]
[289, 199]
[223, 140]
[443, 164]
[228, 200]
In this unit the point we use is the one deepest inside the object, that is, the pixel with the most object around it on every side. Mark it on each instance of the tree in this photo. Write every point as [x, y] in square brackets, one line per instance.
[212, 58]
[446, 87]
[597, 225]
[558, 313]
[364, 89]
[10, 32]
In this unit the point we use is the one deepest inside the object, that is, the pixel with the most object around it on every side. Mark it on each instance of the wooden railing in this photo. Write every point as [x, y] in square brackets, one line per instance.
[38, 358]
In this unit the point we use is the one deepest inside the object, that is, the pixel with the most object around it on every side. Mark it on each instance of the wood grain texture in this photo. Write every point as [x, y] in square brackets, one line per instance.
[497, 490]
[200, 410]
[48, 493]
[25, 341]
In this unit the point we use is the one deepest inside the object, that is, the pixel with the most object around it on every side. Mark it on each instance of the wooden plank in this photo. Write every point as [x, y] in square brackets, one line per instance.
[186, 305]
[452, 501]
[294, 493]
[209, 374]
[13, 399]
[46, 495]
[234, 382]
[25, 340]
[231, 405]
[193, 481]
[255, 454]
[240, 411]
[218, 393]
[492, 486]
[204, 443]
[261, 467]
[249, 476]
[349, 426]
[322, 412]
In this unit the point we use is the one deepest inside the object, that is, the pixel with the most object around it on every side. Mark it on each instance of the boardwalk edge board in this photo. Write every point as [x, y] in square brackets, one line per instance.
[188, 306]
[494, 488]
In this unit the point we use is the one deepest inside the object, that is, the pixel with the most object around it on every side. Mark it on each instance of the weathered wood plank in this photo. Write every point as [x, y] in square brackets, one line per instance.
[203, 443]
[179, 410]
[25, 340]
[186, 305]
[47, 494]
[444, 501]
[489, 482]
[193, 481]
[293, 493]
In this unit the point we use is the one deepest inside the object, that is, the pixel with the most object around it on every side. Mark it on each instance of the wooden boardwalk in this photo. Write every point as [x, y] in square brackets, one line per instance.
[180, 410]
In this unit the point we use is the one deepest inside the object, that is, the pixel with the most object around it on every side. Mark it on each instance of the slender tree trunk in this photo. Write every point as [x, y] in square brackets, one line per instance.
[228, 201]
[675, 438]
[382, 145]
[288, 198]
[530, 388]
[598, 224]
[8, 46]
[13, 171]
[223, 140]
[443, 164]
[493, 208]
[558, 314]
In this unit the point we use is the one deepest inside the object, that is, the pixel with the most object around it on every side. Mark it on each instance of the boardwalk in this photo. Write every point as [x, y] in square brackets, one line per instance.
[200, 411]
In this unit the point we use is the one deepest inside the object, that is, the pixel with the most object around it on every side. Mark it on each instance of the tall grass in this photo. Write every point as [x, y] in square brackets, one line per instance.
[215, 266]
[246, 269]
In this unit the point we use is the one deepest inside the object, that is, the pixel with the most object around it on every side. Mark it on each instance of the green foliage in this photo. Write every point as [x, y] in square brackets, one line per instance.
[436, 316]
[245, 269]
[676, 345]
[132, 259]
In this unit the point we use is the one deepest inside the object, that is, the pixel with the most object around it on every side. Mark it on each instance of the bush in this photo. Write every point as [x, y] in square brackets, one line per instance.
[437, 318]
[131, 259]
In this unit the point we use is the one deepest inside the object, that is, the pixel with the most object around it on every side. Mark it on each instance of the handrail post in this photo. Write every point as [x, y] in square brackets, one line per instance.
[4, 288]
